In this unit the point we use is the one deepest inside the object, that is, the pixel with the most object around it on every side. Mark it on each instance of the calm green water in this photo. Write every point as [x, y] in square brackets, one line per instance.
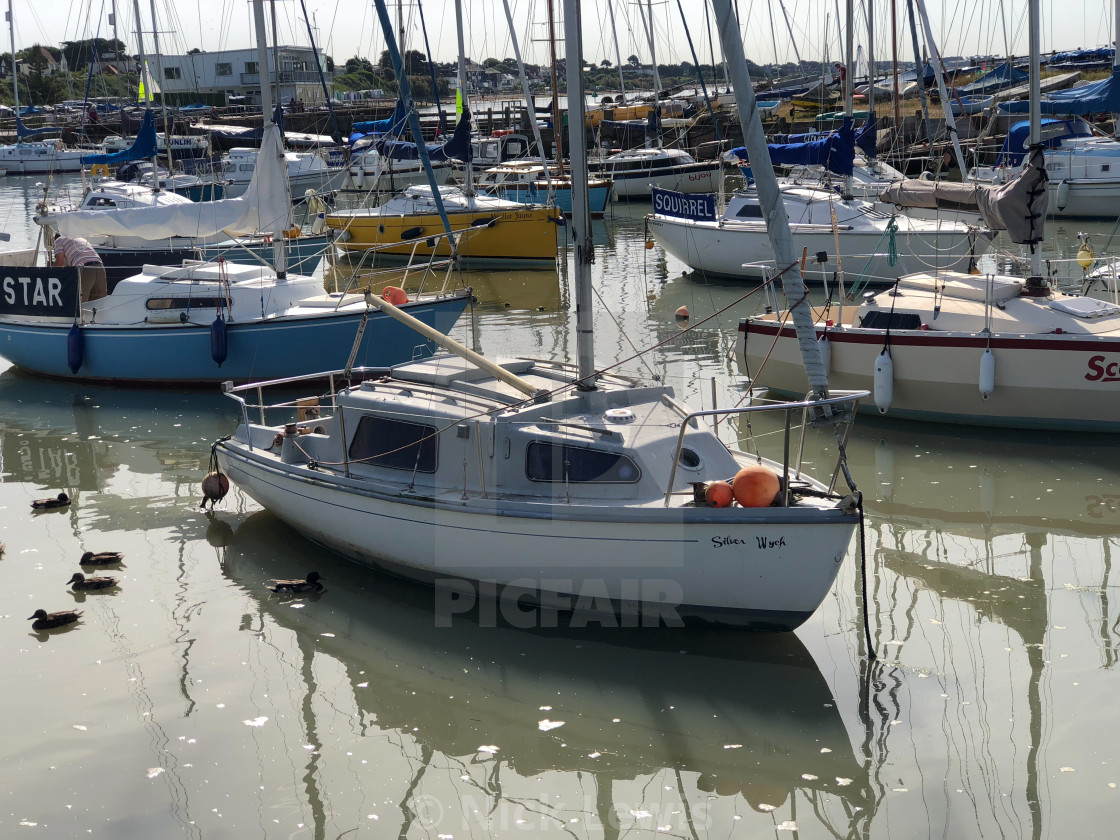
[193, 703]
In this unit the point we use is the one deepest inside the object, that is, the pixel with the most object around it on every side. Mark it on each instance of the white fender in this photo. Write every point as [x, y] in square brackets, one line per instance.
[826, 353]
[987, 373]
[1061, 197]
[883, 389]
[360, 179]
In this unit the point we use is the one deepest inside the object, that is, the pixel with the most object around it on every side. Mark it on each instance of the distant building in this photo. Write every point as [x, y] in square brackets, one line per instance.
[53, 63]
[214, 77]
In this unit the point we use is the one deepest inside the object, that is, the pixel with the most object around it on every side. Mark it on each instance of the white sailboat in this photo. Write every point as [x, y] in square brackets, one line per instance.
[981, 350]
[549, 485]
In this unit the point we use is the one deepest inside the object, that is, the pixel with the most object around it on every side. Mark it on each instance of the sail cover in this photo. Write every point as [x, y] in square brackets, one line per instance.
[143, 147]
[265, 207]
[458, 147]
[1018, 207]
[997, 78]
[1052, 132]
[23, 131]
[1101, 97]
[394, 125]
[837, 151]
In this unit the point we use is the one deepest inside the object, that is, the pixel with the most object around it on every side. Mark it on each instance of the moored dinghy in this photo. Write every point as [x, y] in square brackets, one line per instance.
[539, 483]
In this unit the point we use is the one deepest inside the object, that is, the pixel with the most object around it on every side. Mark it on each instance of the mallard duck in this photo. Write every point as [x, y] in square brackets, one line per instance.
[80, 583]
[44, 620]
[59, 501]
[311, 584]
[102, 558]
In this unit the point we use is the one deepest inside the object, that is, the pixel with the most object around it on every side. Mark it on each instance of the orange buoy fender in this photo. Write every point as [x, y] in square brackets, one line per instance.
[755, 486]
[681, 314]
[718, 494]
[394, 295]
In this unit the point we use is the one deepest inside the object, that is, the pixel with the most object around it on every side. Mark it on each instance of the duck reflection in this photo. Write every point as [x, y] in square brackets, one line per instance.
[709, 716]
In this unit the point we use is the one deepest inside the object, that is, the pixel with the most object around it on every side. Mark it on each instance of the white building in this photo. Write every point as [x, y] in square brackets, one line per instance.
[213, 77]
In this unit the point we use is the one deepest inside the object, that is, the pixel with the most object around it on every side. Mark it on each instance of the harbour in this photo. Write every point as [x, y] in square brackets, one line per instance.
[217, 708]
[644, 548]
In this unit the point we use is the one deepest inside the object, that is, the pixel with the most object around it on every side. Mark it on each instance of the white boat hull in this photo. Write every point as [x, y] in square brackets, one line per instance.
[721, 249]
[687, 178]
[1045, 381]
[639, 565]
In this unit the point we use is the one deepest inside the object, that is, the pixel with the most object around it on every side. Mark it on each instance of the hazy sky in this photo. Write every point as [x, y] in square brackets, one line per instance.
[349, 27]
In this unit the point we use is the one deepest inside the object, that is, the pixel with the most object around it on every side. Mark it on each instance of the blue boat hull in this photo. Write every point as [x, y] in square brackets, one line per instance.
[180, 354]
[529, 194]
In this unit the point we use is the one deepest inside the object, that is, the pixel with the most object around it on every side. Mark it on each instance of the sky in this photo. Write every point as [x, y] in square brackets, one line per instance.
[345, 28]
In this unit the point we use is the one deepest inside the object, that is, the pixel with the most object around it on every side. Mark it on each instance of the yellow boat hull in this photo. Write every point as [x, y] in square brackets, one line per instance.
[506, 237]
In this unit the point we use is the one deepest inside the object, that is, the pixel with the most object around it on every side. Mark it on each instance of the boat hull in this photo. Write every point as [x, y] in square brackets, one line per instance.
[598, 196]
[522, 237]
[1061, 381]
[721, 250]
[646, 565]
[685, 178]
[181, 353]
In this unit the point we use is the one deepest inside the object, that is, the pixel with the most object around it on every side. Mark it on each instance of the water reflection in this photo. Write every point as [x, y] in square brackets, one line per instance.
[628, 730]
[81, 438]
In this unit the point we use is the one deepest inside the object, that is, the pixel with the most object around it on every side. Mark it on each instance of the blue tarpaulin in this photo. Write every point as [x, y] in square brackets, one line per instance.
[1052, 133]
[997, 78]
[867, 138]
[143, 147]
[1094, 98]
[458, 147]
[837, 151]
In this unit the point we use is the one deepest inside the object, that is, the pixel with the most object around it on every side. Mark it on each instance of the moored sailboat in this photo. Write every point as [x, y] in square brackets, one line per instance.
[546, 484]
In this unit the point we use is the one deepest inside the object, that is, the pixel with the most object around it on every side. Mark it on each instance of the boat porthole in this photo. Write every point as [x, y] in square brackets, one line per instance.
[689, 459]
[381, 228]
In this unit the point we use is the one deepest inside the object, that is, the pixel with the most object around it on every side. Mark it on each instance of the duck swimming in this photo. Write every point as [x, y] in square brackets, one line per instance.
[80, 583]
[311, 584]
[103, 558]
[59, 501]
[44, 620]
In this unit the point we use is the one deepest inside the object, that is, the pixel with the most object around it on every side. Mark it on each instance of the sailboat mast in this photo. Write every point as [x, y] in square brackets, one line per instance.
[532, 110]
[652, 52]
[275, 52]
[279, 255]
[773, 209]
[15, 75]
[468, 177]
[850, 73]
[117, 58]
[163, 105]
[1034, 25]
[894, 66]
[871, 64]
[557, 134]
[939, 69]
[145, 73]
[617, 52]
[581, 207]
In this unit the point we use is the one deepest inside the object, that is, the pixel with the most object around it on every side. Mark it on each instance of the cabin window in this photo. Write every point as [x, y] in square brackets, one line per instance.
[395, 444]
[184, 303]
[557, 462]
[879, 319]
[750, 211]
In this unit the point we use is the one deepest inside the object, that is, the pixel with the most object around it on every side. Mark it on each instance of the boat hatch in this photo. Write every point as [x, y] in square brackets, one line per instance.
[1084, 307]
[964, 286]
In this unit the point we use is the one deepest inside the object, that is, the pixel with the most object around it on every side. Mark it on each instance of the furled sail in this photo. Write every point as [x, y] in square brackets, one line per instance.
[394, 125]
[1018, 207]
[265, 206]
[143, 147]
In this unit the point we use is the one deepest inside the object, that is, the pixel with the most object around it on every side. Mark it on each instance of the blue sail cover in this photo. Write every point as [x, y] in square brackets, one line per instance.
[997, 78]
[394, 125]
[1094, 98]
[867, 138]
[23, 131]
[143, 147]
[1096, 55]
[1052, 133]
[837, 151]
[458, 147]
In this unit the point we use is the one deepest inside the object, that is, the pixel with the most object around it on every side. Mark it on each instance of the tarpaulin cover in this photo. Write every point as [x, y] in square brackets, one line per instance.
[837, 151]
[394, 124]
[458, 147]
[1052, 132]
[995, 79]
[1094, 98]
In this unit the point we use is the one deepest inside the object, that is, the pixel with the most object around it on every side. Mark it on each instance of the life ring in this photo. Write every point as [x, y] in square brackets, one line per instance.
[99, 170]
